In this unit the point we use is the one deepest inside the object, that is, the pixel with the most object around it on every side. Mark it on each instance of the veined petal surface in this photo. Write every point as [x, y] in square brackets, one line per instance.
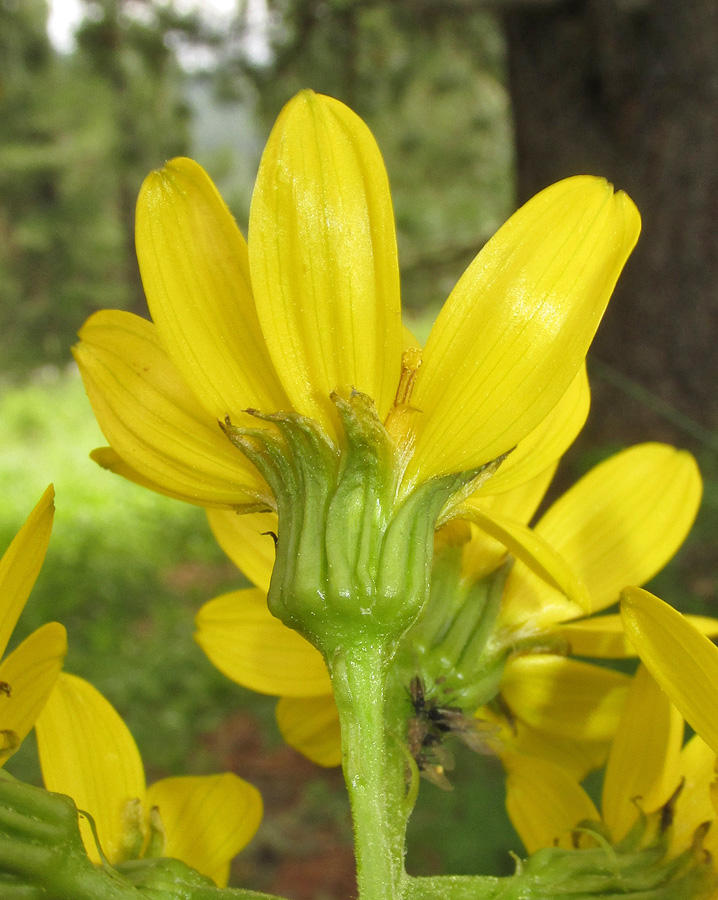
[566, 697]
[249, 645]
[642, 769]
[482, 554]
[30, 673]
[515, 330]
[151, 418]
[541, 449]
[207, 819]
[693, 806]
[624, 520]
[322, 253]
[21, 563]
[195, 271]
[247, 541]
[681, 659]
[544, 802]
[87, 752]
[604, 637]
[533, 551]
[311, 726]
[618, 525]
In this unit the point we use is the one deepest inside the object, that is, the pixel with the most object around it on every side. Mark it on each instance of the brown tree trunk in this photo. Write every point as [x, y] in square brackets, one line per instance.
[628, 89]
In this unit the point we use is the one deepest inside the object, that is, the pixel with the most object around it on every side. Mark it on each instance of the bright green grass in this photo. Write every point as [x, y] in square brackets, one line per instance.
[125, 572]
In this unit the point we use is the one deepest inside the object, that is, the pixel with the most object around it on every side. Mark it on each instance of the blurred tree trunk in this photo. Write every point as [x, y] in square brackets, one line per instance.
[628, 89]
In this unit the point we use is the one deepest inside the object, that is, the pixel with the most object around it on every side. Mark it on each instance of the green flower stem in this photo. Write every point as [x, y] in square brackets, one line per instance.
[455, 887]
[374, 769]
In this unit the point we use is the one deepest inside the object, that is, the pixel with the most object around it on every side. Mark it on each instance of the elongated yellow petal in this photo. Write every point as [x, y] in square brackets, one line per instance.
[311, 726]
[107, 458]
[565, 697]
[681, 659]
[247, 541]
[21, 563]
[618, 525]
[87, 752]
[207, 819]
[540, 450]
[624, 520]
[151, 418]
[27, 676]
[322, 253]
[577, 757]
[245, 641]
[482, 554]
[642, 769]
[531, 549]
[693, 806]
[530, 606]
[544, 802]
[603, 636]
[195, 271]
[515, 330]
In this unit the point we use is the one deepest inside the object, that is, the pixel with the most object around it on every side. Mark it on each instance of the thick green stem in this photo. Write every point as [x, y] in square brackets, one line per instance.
[373, 769]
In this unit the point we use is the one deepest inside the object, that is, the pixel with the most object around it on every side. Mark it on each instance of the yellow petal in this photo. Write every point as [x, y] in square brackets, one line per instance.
[207, 819]
[516, 328]
[618, 525]
[642, 769]
[245, 641]
[106, 458]
[624, 520]
[681, 659]
[530, 606]
[693, 806]
[322, 253]
[151, 418]
[28, 675]
[544, 802]
[603, 636]
[21, 564]
[531, 549]
[482, 554]
[247, 541]
[87, 752]
[311, 726]
[565, 697]
[577, 757]
[540, 450]
[195, 271]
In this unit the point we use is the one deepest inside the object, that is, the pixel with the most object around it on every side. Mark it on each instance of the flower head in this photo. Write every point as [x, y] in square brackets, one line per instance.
[311, 306]
[87, 752]
[294, 343]
[655, 791]
[28, 674]
[620, 523]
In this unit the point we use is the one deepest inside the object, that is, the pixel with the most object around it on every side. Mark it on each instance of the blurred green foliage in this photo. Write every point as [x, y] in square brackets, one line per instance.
[125, 572]
[79, 133]
[81, 130]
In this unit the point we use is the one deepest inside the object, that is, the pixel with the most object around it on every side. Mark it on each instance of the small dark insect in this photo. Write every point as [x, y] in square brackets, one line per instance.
[429, 727]
[5, 688]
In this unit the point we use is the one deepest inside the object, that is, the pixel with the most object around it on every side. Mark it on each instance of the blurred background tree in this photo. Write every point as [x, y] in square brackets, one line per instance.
[79, 134]
[629, 89]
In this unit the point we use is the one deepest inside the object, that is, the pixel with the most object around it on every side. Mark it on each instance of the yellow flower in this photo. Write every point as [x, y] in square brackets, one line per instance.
[311, 306]
[87, 752]
[647, 767]
[620, 523]
[28, 674]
